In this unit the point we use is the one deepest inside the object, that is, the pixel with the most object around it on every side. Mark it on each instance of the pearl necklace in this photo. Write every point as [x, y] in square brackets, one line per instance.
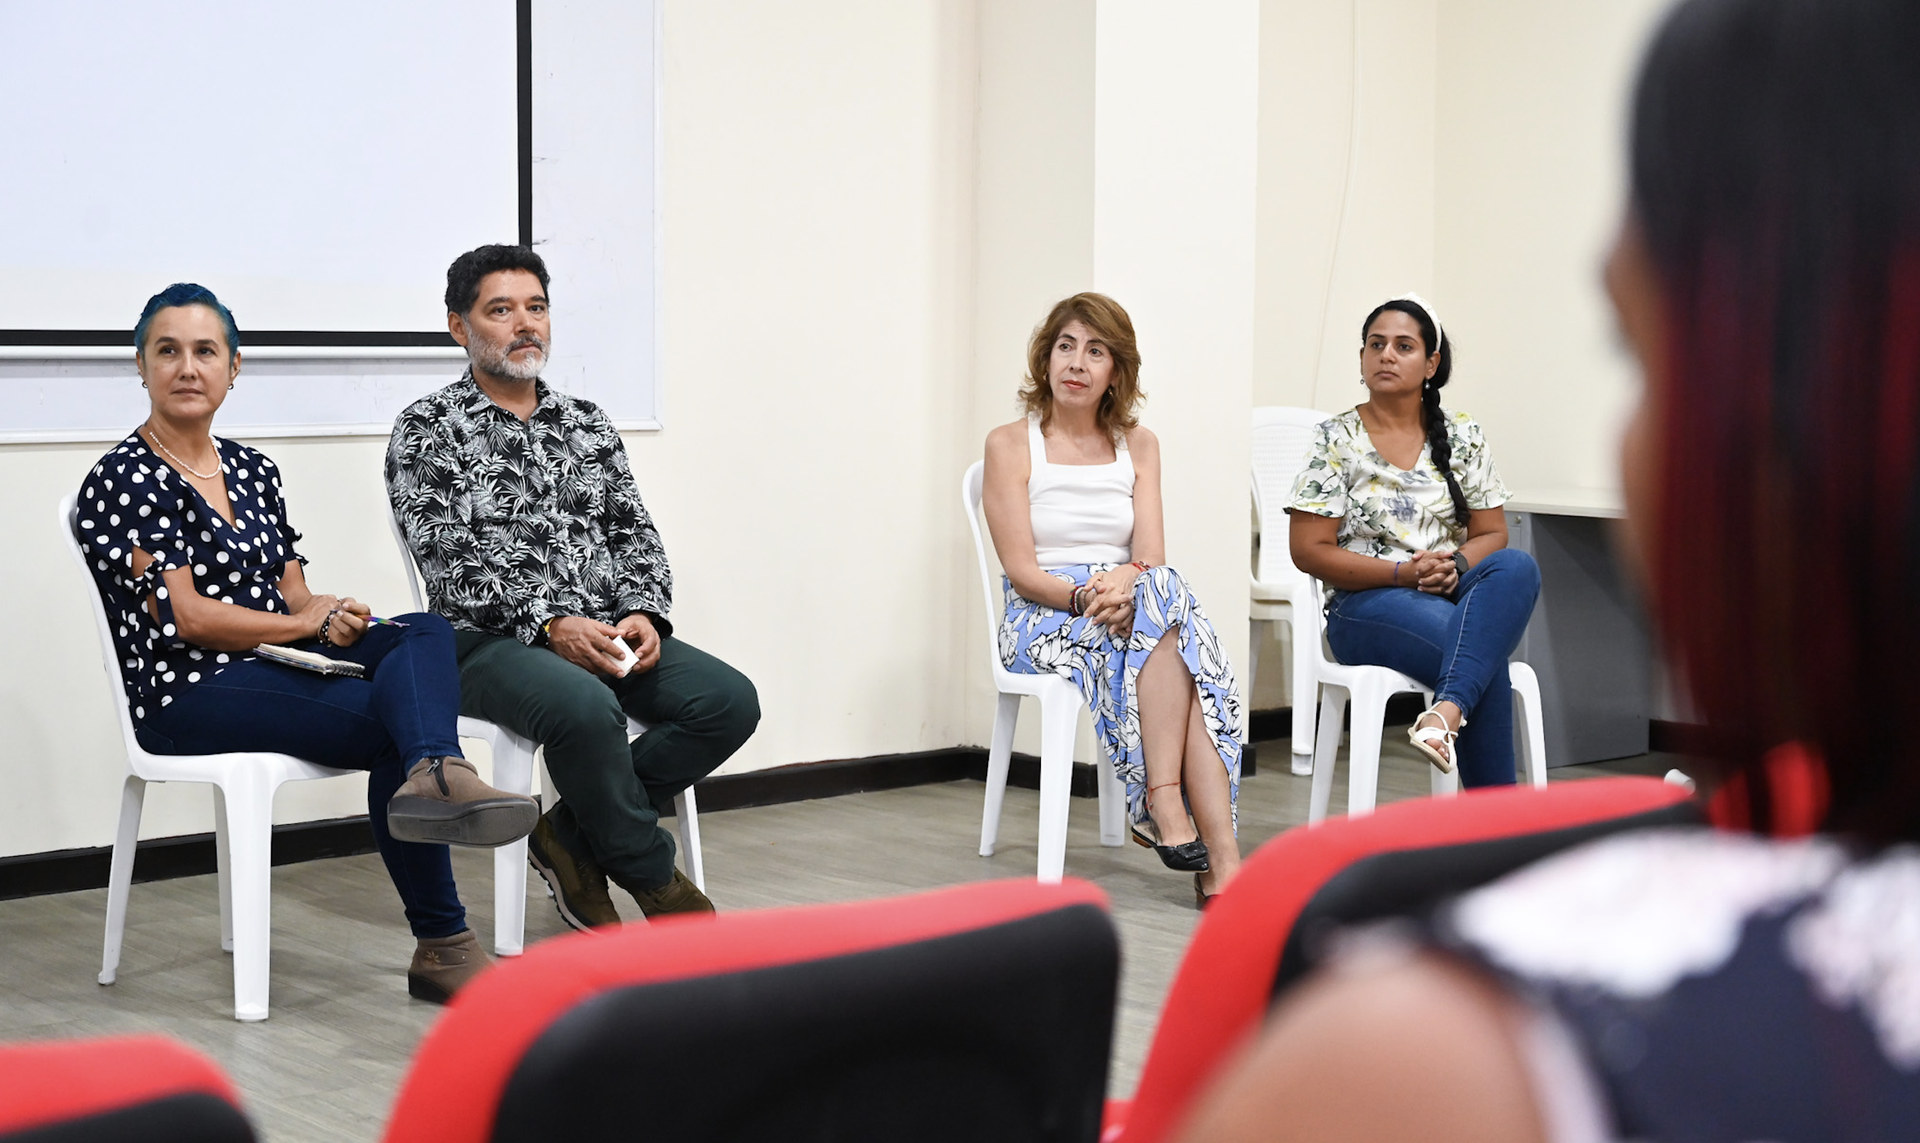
[183, 464]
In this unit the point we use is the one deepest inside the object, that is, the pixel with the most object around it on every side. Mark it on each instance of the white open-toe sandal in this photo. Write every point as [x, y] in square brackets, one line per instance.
[1424, 739]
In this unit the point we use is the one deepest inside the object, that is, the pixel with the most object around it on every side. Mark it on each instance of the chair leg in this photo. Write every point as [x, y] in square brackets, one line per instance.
[1059, 723]
[1301, 667]
[223, 868]
[1253, 659]
[1333, 703]
[1526, 688]
[250, 845]
[510, 899]
[513, 766]
[1363, 748]
[1006, 716]
[133, 797]
[1113, 800]
[686, 809]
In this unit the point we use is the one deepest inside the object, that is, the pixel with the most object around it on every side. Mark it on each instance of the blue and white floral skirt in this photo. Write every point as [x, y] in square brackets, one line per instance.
[1036, 640]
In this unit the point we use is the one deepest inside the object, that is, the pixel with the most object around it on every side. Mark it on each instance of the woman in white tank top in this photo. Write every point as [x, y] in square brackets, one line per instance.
[1072, 498]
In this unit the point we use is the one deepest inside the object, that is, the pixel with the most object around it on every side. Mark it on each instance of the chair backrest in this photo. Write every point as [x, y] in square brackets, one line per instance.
[129, 1088]
[1282, 439]
[971, 490]
[1262, 935]
[982, 1011]
[109, 654]
[406, 559]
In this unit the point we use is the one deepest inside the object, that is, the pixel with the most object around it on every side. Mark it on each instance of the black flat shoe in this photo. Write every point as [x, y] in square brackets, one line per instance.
[1188, 857]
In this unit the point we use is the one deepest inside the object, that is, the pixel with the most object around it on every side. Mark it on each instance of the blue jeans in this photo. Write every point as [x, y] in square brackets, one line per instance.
[408, 708]
[1457, 646]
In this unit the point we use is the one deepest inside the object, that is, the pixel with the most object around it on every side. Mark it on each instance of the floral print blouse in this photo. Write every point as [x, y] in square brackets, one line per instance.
[1386, 512]
[134, 499]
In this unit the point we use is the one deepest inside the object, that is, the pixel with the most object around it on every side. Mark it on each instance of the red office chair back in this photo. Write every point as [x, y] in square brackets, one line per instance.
[1261, 935]
[980, 1012]
[144, 1088]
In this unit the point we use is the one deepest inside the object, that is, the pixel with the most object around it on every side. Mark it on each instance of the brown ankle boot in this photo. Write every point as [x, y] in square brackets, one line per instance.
[443, 800]
[679, 895]
[442, 966]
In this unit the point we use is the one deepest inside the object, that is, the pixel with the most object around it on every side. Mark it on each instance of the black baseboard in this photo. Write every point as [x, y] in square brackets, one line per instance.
[1676, 737]
[1266, 725]
[159, 859]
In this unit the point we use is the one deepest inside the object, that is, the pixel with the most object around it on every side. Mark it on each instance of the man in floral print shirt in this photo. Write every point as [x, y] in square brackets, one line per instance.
[519, 507]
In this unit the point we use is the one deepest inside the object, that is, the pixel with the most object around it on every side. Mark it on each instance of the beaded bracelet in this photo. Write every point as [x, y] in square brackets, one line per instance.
[326, 624]
[1075, 608]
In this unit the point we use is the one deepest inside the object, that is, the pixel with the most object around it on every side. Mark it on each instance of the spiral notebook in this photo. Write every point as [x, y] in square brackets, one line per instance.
[309, 661]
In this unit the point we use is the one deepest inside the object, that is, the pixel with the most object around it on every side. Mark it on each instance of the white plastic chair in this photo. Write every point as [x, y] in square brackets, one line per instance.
[244, 785]
[1368, 689]
[513, 766]
[1282, 439]
[1060, 707]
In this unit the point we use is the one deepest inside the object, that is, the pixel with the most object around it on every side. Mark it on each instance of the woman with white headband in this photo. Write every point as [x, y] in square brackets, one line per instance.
[1398, 513]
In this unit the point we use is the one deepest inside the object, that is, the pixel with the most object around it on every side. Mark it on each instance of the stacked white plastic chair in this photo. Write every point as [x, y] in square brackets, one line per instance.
[513, 765]
[1367, 689]
[244, 785]
[1282, 439]
[1060, 707]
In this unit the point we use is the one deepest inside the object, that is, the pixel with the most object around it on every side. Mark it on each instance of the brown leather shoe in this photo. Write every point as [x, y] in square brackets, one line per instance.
[579, 888]
[442, 966]
[679, 895]
[443, 800]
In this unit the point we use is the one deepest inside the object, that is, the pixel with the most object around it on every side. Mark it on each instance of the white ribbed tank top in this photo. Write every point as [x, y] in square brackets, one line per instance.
[1082, 513]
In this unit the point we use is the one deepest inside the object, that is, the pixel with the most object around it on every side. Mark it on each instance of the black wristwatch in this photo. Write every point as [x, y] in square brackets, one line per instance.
[1460, 562]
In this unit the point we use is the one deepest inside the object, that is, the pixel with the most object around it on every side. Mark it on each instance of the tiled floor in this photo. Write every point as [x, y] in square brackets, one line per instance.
[327, 1064]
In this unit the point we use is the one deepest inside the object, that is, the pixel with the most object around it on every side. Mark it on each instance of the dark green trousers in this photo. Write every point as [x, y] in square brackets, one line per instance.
[699, 711]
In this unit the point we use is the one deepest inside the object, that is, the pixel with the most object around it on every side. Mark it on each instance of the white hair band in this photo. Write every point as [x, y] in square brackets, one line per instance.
[1439, 332]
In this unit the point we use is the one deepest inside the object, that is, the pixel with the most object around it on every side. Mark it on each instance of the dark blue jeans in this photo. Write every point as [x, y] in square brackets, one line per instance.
[408, 708]
[1457, 646]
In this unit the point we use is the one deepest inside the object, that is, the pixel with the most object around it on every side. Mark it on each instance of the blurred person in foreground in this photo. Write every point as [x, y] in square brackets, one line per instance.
[1756, 979]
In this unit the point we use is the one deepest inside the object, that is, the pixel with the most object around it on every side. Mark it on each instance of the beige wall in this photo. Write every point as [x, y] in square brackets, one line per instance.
[1529, 181]
[1469, 150]
[1346, 191]
[867, 206]
[817, 342]
[1175, 144]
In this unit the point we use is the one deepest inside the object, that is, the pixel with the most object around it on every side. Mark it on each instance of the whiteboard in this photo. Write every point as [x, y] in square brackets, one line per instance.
[318, 167]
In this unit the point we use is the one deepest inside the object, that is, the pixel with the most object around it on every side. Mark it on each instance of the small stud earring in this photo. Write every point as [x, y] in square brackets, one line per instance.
[229, 385]
[143, 384]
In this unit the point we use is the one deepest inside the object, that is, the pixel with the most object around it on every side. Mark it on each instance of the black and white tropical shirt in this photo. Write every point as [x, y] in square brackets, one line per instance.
[514, 523]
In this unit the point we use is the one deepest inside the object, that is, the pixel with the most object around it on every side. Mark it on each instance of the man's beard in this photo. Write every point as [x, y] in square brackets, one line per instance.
[492, 357]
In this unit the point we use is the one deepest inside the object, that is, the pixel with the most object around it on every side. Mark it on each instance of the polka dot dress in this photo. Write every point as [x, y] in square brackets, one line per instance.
[135, 499]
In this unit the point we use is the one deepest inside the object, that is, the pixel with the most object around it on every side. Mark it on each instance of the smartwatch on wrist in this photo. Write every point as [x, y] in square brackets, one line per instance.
[1460, 562]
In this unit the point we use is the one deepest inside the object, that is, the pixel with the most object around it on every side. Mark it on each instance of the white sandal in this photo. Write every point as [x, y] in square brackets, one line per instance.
[1424, 739]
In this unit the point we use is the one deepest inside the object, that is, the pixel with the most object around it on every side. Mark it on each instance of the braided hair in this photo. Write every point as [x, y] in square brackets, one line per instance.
[1431, 417]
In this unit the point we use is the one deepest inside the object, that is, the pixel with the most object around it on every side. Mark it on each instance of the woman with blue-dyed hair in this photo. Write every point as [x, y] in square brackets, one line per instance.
[195, 559]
